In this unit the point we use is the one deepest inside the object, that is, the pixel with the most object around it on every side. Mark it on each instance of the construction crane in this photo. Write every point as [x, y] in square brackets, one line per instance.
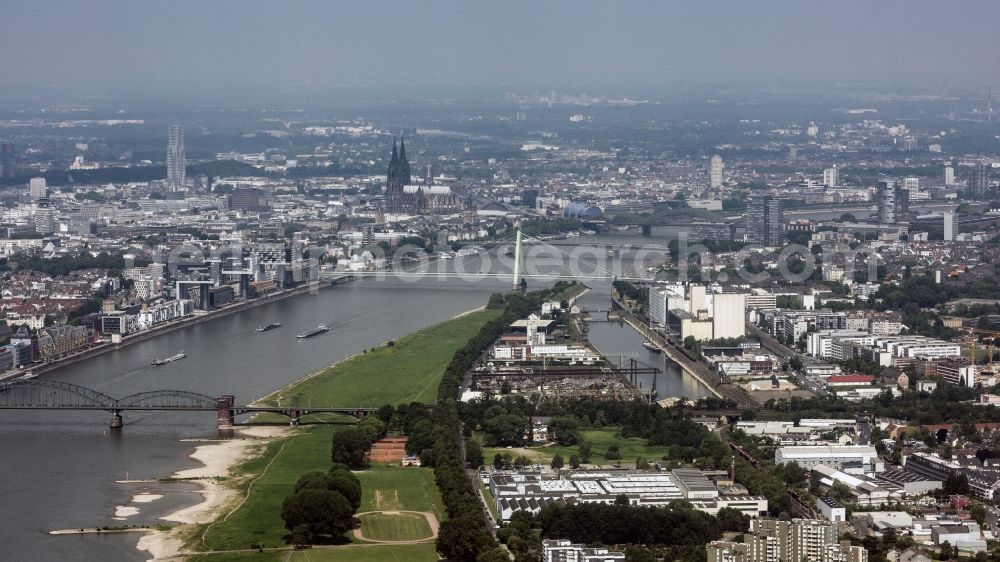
[990, 339]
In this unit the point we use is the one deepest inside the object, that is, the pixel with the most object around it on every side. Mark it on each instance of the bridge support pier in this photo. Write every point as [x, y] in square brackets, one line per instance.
[224, 407]
[293, 418]
[116, 420]
[647, 230]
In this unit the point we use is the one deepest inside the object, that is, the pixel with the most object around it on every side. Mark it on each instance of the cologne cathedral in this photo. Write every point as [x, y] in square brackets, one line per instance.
[402, 196]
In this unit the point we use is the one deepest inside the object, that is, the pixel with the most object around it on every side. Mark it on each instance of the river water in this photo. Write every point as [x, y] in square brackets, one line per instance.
[58, 467]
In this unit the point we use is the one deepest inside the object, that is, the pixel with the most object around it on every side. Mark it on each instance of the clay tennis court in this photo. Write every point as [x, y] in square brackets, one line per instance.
[388, 450]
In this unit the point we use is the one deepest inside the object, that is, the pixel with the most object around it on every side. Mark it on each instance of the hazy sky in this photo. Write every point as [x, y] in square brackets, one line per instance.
[186, 46]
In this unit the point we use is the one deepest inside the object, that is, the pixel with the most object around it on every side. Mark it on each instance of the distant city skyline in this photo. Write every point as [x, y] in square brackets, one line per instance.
[185, 46]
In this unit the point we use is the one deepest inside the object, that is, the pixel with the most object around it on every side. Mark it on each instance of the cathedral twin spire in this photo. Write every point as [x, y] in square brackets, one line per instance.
[398, 173]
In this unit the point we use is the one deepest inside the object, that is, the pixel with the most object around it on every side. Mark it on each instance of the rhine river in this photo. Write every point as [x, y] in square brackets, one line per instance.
[59, 468]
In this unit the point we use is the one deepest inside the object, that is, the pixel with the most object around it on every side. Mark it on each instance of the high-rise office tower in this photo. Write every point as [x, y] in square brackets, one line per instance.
[886, 195]
[979, 179]
[949, 175]
[44, 217]
[176, 173]
[766, 225]
[950, 226]
[37, 188]
[8, 161]
[830, 177]
[775, 222]
[715, 172]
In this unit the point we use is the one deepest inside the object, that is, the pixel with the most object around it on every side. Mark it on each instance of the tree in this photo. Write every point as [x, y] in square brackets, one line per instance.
[840, 491]
[956, 484]
[574, 461]
[498, 462]
[795, 363]
[978, 512]
[795, 474]
[312, 481]
[348, 485]
[420, 437]
[732, 520]
[349, 447]
[301, 535]
[505, 429]
[473, 453]
[585, 452]
[497, 554]
[385, 413]
[464, 538]
[563, 430]
[641, 464]
[322, 512]
[639, 554]
[339, 479]
[557, 461]
[372, 428]
[613, 452]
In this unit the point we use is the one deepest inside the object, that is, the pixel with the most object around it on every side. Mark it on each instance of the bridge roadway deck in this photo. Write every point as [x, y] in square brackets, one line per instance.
[237, 410]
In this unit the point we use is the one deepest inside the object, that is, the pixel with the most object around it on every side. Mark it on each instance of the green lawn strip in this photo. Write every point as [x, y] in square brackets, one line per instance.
[407, 371]
[490, 502]
[239, 557]
[569, 293]
[599, 439]
[395, 526]
[258, 520]
[425, 552]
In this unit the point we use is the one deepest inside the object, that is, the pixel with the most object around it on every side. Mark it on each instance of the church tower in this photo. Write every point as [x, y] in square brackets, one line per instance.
[393, 187]
[404, 165]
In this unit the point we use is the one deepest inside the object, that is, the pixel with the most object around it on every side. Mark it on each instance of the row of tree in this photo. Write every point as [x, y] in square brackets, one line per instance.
[65, 265]
[464, 537]
[621, 523]
[946, 404]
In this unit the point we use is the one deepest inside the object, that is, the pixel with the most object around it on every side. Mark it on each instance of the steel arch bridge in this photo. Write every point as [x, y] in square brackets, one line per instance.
[44, 394]
[35, 394]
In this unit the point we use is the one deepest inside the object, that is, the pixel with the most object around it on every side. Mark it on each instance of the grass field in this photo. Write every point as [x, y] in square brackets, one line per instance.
[395, 526]
[408, 371]
[599, 439]
[240, 557]
[258, 520]
[347, 553]
[407, 488]
[368, 553]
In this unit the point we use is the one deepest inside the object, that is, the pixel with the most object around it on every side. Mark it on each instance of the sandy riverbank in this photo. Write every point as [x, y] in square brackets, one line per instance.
[218, 458]
[467, 312]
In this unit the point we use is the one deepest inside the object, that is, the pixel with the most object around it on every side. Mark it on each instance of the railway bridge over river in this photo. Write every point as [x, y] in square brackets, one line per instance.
[35, 394]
